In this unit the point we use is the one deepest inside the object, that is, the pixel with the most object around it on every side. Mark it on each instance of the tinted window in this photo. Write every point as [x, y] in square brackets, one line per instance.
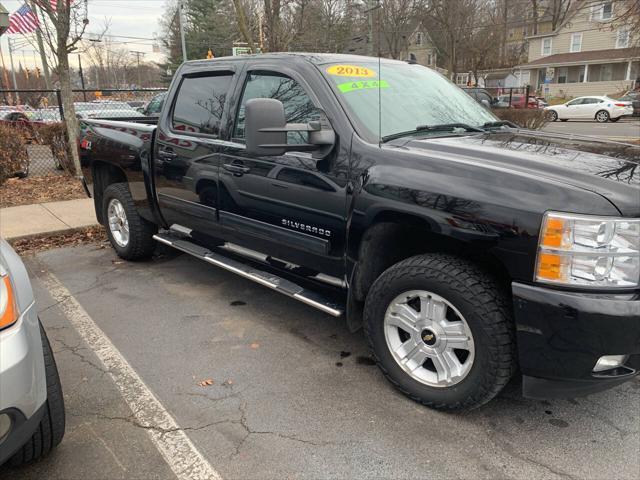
[578, 101]
[298, 107]
[200, 103]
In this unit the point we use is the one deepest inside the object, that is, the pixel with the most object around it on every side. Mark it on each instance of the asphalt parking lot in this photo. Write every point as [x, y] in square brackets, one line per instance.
[293, 393]
[624, 130]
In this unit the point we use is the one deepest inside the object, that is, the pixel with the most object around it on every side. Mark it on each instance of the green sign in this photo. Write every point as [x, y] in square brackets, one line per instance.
[236, 51]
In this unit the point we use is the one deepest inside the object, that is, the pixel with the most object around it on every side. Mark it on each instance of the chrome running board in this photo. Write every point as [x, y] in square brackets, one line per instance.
[267, 279]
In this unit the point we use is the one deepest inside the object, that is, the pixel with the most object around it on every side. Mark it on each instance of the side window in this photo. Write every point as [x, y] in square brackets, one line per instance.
[573, 103]
[306, 179]
[298, 107]
[200, 103]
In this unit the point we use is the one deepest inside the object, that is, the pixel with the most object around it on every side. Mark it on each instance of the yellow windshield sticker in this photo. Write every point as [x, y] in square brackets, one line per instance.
[350, 71]
[362, 85]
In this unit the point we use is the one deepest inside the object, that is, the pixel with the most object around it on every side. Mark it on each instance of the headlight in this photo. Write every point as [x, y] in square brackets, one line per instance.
[587, 251]
[8, 304]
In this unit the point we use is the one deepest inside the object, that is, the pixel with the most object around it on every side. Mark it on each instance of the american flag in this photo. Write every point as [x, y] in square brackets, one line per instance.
[25, 20]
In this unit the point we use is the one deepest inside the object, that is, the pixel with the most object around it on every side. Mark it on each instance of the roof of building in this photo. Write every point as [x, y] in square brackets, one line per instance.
[608, 56]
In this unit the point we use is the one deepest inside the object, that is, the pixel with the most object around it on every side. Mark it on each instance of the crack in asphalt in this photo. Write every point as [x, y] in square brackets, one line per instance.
[75, 350]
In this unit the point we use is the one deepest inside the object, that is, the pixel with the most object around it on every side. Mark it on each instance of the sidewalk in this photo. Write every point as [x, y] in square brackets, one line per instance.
[52, 217]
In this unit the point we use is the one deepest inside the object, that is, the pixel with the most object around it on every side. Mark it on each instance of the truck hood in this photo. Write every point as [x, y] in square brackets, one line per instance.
[610, 169]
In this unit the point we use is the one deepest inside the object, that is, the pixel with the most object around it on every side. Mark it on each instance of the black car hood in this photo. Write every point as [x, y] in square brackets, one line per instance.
[611, 169]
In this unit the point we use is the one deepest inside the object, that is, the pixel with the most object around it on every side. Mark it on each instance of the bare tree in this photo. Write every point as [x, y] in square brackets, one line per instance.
[449, 23]
[242, 24]
[560, 10]
[396, 18]
[67, 26]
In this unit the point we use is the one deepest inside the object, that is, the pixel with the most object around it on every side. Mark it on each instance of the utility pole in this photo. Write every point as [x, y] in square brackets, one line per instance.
[43, 56]
[181, 21]
[84, 93]
[6, 78]
[371, 6]
[13, 71]
[138, 54]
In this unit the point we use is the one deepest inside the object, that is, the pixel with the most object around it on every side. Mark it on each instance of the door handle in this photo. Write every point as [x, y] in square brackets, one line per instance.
[236, 169]
[167, 154]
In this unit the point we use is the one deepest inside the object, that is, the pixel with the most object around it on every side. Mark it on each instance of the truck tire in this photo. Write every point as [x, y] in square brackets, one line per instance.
[441, 330]
[52, 425]
[130, 235]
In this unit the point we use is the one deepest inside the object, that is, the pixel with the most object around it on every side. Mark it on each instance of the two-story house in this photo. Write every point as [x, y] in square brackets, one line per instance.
[592, 53]
[412, 43]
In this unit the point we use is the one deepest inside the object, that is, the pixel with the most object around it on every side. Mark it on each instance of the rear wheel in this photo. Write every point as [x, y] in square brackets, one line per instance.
[130, 235]
[602, 116]
[51, 429]
[441, 330]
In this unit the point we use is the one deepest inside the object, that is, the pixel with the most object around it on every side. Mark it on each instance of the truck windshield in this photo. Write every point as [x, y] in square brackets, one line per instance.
[410, 96]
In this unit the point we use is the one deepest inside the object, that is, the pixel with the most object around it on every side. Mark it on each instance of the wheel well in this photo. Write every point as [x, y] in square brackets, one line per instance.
[104, 174]
[388, 242]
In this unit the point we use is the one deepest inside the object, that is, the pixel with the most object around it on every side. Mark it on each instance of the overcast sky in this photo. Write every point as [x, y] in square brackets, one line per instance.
[129, 18]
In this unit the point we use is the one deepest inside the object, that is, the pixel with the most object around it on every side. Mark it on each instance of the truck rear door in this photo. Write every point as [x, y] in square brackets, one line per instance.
[186, 151]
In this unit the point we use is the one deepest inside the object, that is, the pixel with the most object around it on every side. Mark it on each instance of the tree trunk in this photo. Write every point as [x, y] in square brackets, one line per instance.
[242, 25]
[70, 119]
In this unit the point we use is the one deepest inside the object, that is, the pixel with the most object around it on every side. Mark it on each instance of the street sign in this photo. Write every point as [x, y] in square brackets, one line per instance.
[237, 51]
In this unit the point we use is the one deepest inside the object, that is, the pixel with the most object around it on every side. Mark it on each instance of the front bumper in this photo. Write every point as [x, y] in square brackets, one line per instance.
[23, 383]
[561, 335]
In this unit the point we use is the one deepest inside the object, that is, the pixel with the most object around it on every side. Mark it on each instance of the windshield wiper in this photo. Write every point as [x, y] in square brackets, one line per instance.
[500, 123]
[443, 127]
[447, 127]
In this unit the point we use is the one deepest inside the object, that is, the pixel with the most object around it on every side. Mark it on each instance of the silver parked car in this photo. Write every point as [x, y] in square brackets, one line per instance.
[32, 418]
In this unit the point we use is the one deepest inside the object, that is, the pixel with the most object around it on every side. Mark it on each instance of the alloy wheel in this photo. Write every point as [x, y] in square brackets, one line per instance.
[118, 223]
[429, 338]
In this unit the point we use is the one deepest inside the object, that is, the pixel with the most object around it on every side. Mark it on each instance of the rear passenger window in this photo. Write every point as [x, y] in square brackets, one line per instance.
[200, 103]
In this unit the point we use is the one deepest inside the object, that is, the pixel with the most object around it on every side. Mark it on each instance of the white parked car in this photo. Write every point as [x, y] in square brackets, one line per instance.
[601, 109]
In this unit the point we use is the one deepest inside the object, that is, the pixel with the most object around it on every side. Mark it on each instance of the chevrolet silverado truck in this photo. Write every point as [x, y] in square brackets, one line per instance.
[470, 250]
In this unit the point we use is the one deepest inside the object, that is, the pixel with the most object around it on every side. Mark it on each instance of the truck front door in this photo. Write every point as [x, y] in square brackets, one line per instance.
[292, 206]
[186, 157]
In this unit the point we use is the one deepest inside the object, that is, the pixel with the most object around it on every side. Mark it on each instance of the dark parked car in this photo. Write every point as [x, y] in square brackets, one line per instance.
[634, 98]
[482, 96]
[153, 108]
[467, 250]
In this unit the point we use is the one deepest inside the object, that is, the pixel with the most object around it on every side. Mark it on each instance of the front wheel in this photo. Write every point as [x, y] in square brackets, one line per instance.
[51, 429]
[602, 116]
[441, 330]
[130, 235]
[552, 115]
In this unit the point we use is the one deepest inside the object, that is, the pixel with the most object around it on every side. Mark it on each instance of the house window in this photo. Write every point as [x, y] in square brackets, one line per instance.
[419, 39]
[546, 46]
[576, 42]
[622, 38]
[430, 59]
[562, 74]
[604, 11]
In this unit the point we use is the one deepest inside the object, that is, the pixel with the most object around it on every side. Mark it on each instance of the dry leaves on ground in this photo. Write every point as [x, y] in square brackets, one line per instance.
[29, 246]
[48, 188]
[205, 383]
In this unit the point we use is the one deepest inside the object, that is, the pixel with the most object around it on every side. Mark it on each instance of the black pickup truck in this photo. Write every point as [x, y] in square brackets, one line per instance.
[468, 249]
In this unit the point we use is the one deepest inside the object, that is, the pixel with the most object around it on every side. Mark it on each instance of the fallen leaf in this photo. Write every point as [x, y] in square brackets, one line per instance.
[255, 345]
[205, 383]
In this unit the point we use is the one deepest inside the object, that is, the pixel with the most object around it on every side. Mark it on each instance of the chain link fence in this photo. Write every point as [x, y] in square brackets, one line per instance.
[33, 140]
